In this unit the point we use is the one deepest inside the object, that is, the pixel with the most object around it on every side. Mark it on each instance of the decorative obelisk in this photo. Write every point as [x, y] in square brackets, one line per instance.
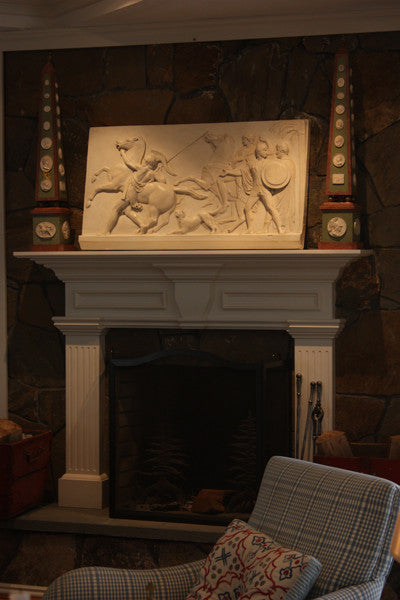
[340, 213]
[51, 217]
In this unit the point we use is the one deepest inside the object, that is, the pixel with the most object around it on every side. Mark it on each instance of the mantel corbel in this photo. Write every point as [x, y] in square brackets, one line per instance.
[325, 330]
[80, 327]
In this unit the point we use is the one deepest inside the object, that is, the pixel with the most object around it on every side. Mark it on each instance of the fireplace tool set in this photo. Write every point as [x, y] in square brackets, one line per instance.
[315, 414]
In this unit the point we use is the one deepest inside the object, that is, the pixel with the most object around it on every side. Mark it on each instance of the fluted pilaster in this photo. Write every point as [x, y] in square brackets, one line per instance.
[84, 483]
[314, 360]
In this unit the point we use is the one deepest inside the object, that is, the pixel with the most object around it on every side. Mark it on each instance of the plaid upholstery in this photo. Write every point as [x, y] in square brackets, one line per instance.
[343, 519]
[365, 591]
[102, 583]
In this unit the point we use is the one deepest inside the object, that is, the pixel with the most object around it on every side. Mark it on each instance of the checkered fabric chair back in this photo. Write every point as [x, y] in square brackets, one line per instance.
[344, 519]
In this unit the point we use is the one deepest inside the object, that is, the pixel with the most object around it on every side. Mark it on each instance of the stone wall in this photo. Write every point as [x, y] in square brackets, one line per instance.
[37, 558]
[209, 82]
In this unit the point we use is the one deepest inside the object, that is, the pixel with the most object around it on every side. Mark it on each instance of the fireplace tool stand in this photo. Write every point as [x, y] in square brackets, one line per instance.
[315, 414]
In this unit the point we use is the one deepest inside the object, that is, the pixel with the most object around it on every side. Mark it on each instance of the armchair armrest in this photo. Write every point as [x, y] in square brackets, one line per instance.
[364, 591]
[104, 583]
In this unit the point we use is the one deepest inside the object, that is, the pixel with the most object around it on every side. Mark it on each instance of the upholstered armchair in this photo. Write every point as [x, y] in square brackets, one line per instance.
[343, 519]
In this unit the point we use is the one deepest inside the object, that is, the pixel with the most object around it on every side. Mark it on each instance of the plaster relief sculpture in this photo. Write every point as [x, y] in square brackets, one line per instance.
[203, 186]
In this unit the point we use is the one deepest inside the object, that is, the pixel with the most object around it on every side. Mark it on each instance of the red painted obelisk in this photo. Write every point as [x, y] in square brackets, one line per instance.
[51, 217]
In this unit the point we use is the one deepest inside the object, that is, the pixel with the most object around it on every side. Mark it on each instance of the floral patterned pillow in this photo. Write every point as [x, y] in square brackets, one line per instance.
[246, 564]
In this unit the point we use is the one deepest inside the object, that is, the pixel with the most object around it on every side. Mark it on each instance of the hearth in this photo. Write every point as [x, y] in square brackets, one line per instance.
[191, 431]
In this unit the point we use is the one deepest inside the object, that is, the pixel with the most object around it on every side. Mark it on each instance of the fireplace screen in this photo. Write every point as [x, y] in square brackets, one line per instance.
[190, 434]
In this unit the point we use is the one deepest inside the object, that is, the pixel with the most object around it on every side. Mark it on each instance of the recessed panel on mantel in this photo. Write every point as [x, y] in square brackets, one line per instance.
[196, 187]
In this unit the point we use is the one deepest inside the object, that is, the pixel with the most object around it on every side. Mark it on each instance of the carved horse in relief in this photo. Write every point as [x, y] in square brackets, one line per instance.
[147, 199]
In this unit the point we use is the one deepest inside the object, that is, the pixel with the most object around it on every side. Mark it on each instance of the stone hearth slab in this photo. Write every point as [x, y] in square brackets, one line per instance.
[56, 519]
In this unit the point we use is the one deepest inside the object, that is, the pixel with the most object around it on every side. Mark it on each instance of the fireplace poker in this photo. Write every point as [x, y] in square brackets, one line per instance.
[299, 380]
[317, 416]
[307, 428]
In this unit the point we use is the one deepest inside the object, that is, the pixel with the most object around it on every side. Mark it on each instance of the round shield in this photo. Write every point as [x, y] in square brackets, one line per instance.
[275, 174]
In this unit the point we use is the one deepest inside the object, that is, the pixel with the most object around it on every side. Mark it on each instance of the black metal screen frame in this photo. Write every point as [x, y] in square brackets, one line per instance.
[262, 373]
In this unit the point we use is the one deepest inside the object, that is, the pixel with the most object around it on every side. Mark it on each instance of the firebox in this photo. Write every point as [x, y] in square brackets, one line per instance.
[191, 432]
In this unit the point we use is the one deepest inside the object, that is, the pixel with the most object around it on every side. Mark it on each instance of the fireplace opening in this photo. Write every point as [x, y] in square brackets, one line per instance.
[191, 432]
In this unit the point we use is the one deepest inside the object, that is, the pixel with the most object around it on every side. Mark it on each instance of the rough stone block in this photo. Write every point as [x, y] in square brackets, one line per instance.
[377, 154]
[300, 77]
[117, 553]
[22, 71]
[75, 141]
[208, 107]
[126, 108]
[391, 421]
[318, 92]
[382, 42]
[384, 227]
[329, 43]
[195, 66]
[372, 71]
[41, 558]
[125, 68]
[12, 304]
[22, 400]
[51, 411]
[319, 134]
[34, 308]
[368, 355]
[388, 267]
[359, 285]
[160, 65]
[176, 553]
[9, 543]
[79, 72]
[19, 192]
[19, 237]
[359, 416]
[20, 135]
[316, 196]
[253, 91]
[36, 356]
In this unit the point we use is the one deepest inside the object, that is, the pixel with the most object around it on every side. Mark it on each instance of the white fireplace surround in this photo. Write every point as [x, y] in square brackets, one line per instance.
[268, 290]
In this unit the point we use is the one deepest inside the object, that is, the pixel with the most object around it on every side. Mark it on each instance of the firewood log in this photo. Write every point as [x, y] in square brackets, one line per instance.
[9, 431]
[333, 443]
[394, 450]
[210, 501]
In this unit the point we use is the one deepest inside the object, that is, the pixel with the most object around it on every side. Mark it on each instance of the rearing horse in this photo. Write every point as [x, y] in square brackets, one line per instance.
[147, 199]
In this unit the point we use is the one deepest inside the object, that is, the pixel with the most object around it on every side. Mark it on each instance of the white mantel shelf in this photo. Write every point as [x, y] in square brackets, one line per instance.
[220, 289]
[291, 290]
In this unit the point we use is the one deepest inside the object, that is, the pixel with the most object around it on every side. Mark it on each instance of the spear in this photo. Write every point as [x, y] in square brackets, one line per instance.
[186, 147]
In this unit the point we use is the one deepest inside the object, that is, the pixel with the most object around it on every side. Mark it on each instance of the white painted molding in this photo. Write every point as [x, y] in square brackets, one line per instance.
[222, 289]
[314, 360]
[315, 331]
[3, 272]
[33, 590]
[272, 289]
[89, 327]
[284, 24]
[91, 11]
[85, 483]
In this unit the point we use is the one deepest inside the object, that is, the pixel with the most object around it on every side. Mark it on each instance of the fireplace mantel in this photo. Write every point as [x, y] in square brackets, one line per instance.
[220, 289]
[291, 290]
